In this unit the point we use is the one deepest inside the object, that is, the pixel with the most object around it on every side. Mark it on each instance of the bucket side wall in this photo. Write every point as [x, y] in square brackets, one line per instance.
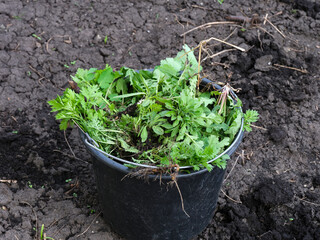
[137, 209]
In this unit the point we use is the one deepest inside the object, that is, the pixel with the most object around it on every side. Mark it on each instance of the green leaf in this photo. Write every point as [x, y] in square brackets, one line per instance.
[56, 104]
[127, 147]
[182, 132]
[144, 134]
[234, 127]
[167, 125]
[249, 117]
[158, 130]
[64, 124]
[192, 59]
[222, 162]
[106, 78]
[121, 86]
[175, 131]
[170, 66]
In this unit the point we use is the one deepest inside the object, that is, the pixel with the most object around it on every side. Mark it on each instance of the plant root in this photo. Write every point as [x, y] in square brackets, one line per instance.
[174, 180]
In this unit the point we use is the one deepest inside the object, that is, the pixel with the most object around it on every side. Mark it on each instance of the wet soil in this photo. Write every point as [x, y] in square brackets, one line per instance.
[272, 188]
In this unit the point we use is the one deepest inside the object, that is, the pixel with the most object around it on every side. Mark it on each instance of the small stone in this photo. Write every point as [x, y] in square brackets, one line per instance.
[264, 63]
[36, 160]
[98, 37]
[5, 194]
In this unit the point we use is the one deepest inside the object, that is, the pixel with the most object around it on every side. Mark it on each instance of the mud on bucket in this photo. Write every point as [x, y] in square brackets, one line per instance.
[140, 210]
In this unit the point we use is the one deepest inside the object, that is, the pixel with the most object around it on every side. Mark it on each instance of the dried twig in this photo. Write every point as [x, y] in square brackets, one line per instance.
[240, 155]
[75, 185]
[65, 137]
[70, 156]
[196, 6]
[214, 55]
[217, 54]
[14, 119]
[181, 198]
[292, 68]
[177, 20]
[206, 25]
[236, 201]
[264, 30]
[8, 181]
[222, 41]
[301, 199]
[262, 128]
[277, 29]
[89, 225]
[254, 20]
[265, 19]
[16, 48]
[68, 41]
[38, 73]
[47, 44]
[260, 236]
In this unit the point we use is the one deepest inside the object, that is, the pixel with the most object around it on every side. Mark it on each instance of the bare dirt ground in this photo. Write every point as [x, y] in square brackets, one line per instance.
[273, 190]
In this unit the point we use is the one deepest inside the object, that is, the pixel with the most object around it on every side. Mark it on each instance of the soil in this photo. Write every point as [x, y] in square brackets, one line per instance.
[272, 188]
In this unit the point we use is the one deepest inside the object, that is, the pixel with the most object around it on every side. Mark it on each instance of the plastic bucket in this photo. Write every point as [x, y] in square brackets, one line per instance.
[137, 209]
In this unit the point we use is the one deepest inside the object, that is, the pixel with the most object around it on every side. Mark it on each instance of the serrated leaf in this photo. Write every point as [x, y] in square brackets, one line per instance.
[222, 162]
[182, 132]
[64, 124]
[127, 147]
[56, 104]
[234, 127]
[170, 66]
[106, 78]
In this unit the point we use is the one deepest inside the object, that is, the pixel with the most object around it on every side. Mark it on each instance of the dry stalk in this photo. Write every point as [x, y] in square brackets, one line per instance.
[70, 156]
[277, 29]
[301, 199]
[240, 155]
[222, 41]
[292, 68]
[7, 181]
[204, 42]
[68, 41]
[217, 54]
[86, 230]
[262, 128]
[206, 25]
[236, 201]
[65, 137]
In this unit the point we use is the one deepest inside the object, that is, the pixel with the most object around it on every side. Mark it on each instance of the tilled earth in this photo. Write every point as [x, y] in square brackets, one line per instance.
[272, 189]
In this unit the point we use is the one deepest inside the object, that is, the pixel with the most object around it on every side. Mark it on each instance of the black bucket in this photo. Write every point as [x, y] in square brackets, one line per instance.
[140, 210]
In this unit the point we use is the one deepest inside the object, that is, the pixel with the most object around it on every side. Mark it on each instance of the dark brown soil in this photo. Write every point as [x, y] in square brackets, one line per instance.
[273, 190]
